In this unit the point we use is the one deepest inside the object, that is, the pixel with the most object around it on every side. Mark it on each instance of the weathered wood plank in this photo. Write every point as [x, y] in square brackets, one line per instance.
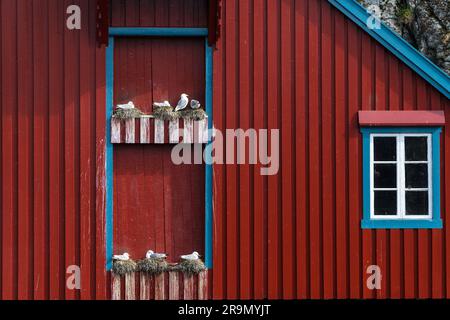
[145, 125]
[130, 286]
[144, 290]
[203, 285]
[160, 288]
[174, 286]
[159, 131]
[188, 288]
[174, 136]
[115, 130]
[115, 287]
[188, 132]
[130, 126]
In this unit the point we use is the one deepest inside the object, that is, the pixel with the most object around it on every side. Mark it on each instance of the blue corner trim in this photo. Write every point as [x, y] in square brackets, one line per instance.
[158, 32]
[397, 45]
[435, 222]
[209, 169]
[109, 153]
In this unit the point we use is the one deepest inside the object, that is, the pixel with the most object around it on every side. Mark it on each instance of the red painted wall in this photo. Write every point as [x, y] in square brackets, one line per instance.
[301, 66]
[295, 64]
[52, 151]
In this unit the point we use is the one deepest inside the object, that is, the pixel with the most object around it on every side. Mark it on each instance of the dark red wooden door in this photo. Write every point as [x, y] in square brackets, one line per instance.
[157, 205]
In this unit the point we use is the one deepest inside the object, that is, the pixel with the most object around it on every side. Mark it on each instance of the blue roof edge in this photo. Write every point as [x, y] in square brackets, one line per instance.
[397, 45]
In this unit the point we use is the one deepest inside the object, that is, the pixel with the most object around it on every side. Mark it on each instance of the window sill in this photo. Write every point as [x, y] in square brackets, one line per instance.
[401, 224]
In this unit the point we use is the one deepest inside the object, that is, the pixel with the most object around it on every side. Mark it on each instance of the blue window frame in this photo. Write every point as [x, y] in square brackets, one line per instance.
[401, 178]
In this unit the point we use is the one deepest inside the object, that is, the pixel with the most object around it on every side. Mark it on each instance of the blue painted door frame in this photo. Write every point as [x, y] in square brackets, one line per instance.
[109, 162]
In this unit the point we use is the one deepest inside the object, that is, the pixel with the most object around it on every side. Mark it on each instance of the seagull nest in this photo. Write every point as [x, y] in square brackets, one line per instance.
[127, 113]
[190, 267]
[193, 114]
[165, 113]
[153, 266]
[122, 268]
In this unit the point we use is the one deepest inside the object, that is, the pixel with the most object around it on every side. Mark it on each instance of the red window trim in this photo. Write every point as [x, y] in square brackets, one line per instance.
[401, 118]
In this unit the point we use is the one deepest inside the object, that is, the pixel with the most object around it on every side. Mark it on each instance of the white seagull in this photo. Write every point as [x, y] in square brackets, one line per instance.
[122, 257]
[162, 104]
[153, 255]
[128, 106]
[183, 102]
[191, 257]
[195, 104]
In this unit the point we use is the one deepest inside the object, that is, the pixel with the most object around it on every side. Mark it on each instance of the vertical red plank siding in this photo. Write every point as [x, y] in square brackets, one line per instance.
[341, 155]
[327, 124]
[301, 124]
[259, 209]
[159, 13]
[335, 69]
[25, 164]
[287, 134]
[273, 116]
[9, 149]
[245, 189]
[40, 148]
[232, 200]
[52, 160]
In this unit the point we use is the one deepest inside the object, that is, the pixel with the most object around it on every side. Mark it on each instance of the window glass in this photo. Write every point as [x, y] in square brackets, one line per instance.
[385, 148]
[385, 203]
[416, 175]
[385, 175]
[416, 203]
[416, 149]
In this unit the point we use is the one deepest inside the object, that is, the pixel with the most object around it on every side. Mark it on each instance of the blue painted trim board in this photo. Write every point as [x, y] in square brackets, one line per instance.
[435, 222]
[209, 169]
[109, 153]
[159, 32]
[397, 45]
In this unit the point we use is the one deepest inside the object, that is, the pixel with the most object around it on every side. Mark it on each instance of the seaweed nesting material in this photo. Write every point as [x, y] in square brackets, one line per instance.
[127, 113]
[165, 113]
[193, 114]
[190, 267]
[123, 267]
[153, 266]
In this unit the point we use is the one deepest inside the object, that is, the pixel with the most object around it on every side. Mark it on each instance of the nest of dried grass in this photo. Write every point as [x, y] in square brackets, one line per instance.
[122, 268]
[165, 113]
[190, 267]
[127, 113]
[193, 114]
[153, 266]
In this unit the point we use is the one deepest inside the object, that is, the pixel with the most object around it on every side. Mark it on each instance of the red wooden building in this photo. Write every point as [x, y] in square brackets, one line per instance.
[354, 188]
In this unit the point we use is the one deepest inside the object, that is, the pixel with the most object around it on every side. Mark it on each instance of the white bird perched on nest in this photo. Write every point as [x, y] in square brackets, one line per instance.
[162, 104]
[191, 257]
[183, 102]
[154, 255]
[195, 104]
[128, 106]
[122, 257]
